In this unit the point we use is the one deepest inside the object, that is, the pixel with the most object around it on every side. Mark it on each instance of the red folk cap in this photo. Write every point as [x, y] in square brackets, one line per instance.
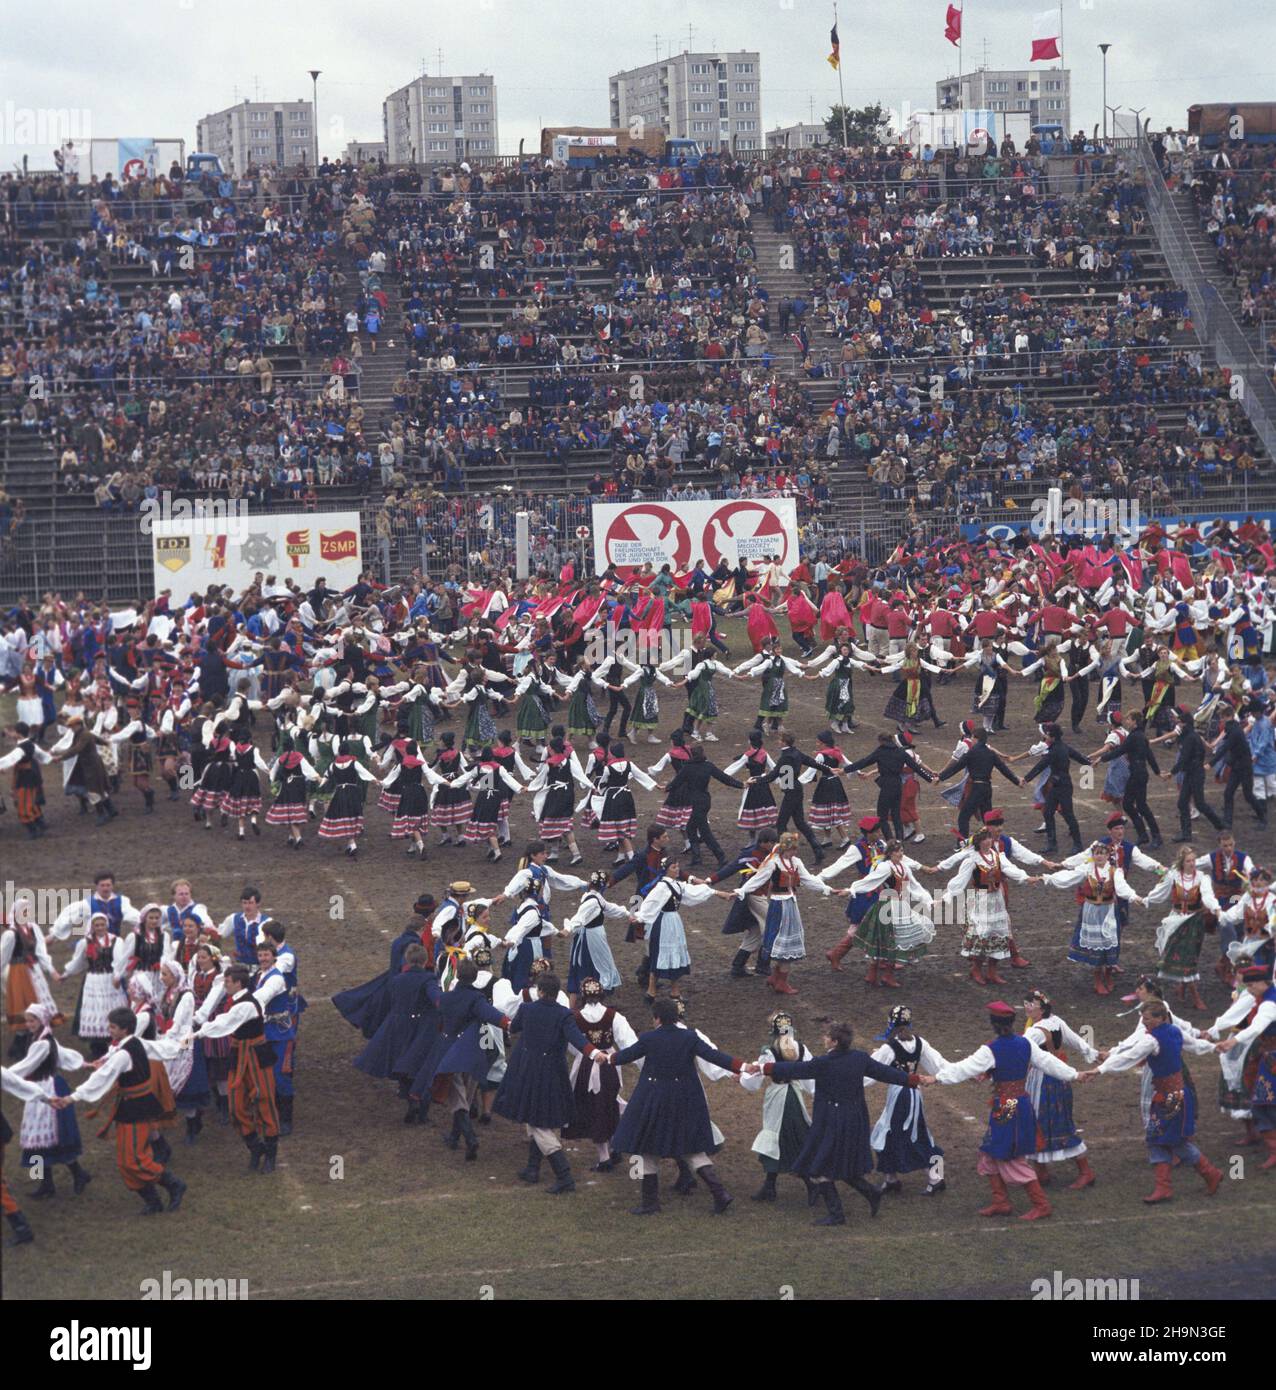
[999, 1010]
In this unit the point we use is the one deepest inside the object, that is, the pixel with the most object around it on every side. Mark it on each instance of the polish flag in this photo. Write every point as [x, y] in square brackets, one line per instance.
[952, 31]
[1045, 36]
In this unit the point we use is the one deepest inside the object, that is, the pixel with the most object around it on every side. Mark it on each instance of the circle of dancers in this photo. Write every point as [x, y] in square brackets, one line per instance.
[181, 1015]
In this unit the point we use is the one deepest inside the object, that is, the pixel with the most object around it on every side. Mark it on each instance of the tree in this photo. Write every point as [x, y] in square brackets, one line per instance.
[865, 125]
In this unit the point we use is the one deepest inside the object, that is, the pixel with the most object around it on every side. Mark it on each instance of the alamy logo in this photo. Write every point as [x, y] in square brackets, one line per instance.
[1089, 516]
[77, 1343]
[214, 516]
[639, 646]
[170, 1290]
[1078, 1290]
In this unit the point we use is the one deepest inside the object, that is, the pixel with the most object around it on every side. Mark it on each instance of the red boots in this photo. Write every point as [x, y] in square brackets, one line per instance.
[779, 980]
[1085, 1175]
[871, 977]
[977, 971]
[1162, 1191]
[1269, 1139]
[1019, 962]
[834, 957]
[886, 976]
[1101, 982]
[1211, 1175]
[1040, 1208]
[1000, 1204]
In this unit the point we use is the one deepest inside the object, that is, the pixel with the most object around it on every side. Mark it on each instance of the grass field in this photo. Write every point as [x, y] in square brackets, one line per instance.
[365, 1207]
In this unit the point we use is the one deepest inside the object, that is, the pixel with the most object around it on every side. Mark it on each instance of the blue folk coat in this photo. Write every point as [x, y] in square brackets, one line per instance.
[667, 1115]
[536, 1088]
[837, 1147]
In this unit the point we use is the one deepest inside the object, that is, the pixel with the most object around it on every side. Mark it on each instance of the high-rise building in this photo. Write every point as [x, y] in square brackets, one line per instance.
[715, 98]
[441, 120]
[1045, 93]
[279, 134]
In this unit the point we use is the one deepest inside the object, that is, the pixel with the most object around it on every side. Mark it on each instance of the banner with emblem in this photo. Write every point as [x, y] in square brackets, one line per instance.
[758, 530]
[289, 547]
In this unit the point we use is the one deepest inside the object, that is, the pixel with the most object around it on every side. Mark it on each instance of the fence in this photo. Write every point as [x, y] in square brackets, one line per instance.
[108, 556]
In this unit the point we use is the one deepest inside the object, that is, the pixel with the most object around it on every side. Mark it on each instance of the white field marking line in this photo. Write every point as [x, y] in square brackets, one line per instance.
[876, 1238]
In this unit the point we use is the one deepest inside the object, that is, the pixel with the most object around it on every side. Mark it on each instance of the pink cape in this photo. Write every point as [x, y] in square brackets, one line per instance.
[652, 616]
[833, 614]
[586, 609]
[803, 614]
[761, 625]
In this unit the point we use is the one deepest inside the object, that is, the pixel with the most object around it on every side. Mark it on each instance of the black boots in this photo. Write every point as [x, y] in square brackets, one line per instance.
[563, 1180]
[151, 1204]
[269, 1153]
[836, 1216]
[223, 1109]
[22, 1232]
[766, 1193]
[872, 1195]
[161, 1150]
[194, 1123]
[686, 1183]
[722, 1199]
[46, 1188]
[285, 1114]
[650, 1197]
[175, 1188]
[79, 1178]
[739, 961]
[463, 1128]
[255, 1151]
[532, 1172]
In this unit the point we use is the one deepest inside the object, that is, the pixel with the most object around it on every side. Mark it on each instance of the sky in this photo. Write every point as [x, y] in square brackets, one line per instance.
[153, 67]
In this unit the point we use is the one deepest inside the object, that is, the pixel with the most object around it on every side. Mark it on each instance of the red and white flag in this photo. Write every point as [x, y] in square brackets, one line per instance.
[1045, 36]
[952, 30]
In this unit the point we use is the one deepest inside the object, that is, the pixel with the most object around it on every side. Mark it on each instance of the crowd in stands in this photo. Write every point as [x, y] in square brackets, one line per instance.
[1234, 189]
[210, 337]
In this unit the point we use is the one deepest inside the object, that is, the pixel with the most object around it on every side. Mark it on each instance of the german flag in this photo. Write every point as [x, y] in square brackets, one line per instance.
[835, 58]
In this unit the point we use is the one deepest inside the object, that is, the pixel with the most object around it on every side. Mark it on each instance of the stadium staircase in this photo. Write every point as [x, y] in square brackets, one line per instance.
[1207, 253]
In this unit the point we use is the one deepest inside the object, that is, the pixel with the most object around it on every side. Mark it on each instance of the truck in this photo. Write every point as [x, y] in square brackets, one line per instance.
[128, 157]
[1219, 122]
[586, 147]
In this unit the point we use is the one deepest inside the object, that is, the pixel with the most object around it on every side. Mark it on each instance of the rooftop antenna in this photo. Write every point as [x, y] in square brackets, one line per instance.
[691, 37]
[657, 39]
[440, 57]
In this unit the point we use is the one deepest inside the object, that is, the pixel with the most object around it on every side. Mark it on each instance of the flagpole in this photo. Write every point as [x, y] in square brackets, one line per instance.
[841, 94]
[961, 38]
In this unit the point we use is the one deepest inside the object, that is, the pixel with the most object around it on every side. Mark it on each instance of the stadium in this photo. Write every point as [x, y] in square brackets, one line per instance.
[600, 711]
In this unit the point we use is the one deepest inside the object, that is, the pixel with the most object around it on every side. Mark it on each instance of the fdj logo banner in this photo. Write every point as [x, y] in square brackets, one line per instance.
[682, 534]
[173, 552]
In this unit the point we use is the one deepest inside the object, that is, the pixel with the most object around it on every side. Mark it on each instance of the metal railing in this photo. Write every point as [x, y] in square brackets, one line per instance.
[1215, 324]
